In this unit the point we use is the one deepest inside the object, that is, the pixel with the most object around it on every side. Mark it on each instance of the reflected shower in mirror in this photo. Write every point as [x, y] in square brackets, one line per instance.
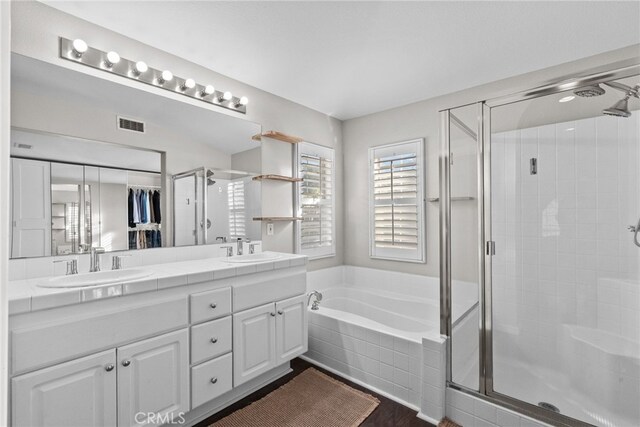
[215, 206]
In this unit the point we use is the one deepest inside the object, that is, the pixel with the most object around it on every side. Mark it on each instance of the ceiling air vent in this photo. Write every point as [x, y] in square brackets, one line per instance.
[130, 125]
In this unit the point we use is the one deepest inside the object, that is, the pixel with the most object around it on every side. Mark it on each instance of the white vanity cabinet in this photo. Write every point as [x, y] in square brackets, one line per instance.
[152, 358]
[153, 378]
[267, 336]
[80, 393]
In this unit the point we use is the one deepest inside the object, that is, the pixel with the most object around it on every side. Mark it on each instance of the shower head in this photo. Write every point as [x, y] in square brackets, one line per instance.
[589, 91]
[619, 109]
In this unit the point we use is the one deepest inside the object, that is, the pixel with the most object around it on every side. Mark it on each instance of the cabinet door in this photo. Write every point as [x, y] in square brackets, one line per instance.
[254, 336]
[78, 393]
[291, 328]
[31, 208]
[153, 380]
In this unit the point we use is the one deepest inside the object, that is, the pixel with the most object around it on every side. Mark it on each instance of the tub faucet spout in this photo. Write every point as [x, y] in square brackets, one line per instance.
[316, 302]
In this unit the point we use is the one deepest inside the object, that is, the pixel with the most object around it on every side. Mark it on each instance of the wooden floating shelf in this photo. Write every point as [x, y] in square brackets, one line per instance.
[276, 178]
[276, 218]
[277, 135]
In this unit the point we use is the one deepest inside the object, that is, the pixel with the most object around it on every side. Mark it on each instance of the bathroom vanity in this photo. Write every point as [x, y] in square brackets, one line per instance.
[174, 347]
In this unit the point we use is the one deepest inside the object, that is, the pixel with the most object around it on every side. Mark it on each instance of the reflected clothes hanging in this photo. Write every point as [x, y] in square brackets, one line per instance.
[136, 207]
[145, 239]
[130, 208]
[157, 215]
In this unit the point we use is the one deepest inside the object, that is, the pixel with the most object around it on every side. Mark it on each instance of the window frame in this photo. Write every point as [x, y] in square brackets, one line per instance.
[418, 255]
[310, 148]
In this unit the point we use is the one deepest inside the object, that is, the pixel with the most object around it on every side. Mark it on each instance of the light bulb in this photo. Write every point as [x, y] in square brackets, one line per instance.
[225, 97]
[79, 47]
[208, 90]
[243, 101]
[141, 67]
[112, 59]
[188, 84]
[166, 76]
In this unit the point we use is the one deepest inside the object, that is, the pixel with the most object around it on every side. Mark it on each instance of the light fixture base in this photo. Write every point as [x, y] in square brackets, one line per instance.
[96, 58]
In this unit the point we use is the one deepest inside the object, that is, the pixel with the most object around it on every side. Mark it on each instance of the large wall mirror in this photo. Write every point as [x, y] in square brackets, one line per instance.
[95, 164]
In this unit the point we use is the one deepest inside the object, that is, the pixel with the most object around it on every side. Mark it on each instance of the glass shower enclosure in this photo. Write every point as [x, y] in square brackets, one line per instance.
[540, 265]
[215, 206]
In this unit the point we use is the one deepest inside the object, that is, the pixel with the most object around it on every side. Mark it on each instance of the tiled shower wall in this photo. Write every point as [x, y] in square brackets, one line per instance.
[564, 254]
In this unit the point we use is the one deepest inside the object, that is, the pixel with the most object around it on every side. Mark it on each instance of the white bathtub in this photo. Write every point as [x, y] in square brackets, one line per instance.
[371, 323]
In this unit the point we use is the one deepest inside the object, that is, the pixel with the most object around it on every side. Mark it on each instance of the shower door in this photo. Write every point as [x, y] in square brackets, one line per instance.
[548, 323]
[563, 191]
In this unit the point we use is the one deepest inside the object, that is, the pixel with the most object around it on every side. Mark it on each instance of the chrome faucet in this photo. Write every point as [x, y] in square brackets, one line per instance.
[94, 263]
[72, 265]
[239, 249]
[316, 302]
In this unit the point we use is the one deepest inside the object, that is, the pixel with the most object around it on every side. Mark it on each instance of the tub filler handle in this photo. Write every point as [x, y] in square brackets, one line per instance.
[316, 302]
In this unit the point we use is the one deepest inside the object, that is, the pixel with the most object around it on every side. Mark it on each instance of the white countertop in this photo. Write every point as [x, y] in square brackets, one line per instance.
[26, 295]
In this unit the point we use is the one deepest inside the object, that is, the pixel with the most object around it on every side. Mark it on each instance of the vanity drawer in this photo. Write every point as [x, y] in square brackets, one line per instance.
[211, 379]
[210, 305]
[210, 339]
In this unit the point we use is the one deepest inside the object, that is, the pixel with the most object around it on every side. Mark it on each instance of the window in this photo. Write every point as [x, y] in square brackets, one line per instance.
[316, 231]
[237, 220]
[396, 198]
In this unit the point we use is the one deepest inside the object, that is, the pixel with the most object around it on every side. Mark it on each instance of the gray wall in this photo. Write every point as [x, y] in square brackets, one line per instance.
[35, 31]
[421, 120]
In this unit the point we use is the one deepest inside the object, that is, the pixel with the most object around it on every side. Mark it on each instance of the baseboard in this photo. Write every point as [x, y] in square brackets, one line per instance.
[361, 383]
[427, 418]
[206, 410]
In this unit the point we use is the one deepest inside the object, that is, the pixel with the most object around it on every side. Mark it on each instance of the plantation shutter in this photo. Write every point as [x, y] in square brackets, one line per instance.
[397, 201]
[316, 200]
[237, 218]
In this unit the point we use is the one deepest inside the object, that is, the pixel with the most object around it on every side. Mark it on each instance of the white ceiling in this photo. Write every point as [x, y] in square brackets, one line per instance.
[349, 59]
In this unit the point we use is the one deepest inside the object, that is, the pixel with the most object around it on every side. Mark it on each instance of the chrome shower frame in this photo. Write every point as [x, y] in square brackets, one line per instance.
[615, 71]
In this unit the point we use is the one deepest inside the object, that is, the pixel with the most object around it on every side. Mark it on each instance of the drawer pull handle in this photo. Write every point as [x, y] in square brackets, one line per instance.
[213, 305]
[214, 340]
[214, 380]
[272, 314]
[280, 312]
[109, 367]
[126, 363]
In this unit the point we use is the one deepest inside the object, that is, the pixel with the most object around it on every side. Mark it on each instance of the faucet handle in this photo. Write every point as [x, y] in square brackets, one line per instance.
[72, 265]
[116, 261]
[229, 250]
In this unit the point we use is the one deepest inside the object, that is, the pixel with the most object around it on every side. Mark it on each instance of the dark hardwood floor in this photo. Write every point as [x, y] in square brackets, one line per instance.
[388, 413]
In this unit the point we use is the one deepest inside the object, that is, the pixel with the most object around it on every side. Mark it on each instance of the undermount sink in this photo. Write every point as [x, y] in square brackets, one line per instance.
[253, 258]
[94, 279]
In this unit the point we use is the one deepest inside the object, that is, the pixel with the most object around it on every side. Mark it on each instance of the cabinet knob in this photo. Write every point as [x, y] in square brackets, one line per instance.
[280, 312]
[272, 314]
[126, 363]
[214, 380]
[214, 340]
[109, 367]
[213, 305]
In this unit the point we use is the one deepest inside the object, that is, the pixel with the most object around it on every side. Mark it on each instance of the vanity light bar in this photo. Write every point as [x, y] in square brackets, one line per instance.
[78, 51]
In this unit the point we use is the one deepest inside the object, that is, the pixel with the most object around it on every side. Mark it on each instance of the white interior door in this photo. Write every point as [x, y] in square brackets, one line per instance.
[31, 208]
[254, 335]
[78, 393]
[153, 379]
[291, 328]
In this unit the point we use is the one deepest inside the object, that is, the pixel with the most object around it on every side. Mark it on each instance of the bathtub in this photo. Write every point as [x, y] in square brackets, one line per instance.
[371, 324]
